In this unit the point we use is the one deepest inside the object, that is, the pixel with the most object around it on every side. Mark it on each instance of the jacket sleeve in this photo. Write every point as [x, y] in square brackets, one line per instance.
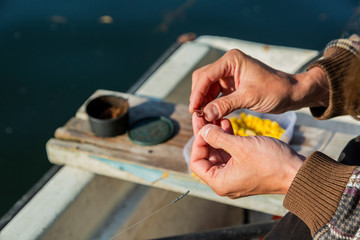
[339, 57]
[325, 194]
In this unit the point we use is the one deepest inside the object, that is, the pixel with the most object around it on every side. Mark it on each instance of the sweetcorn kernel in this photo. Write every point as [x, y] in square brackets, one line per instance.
[249, 125]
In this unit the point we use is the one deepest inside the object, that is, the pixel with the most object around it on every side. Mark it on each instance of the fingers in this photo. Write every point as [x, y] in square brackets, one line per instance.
[219, 138]
[196, 75]
[221, 107]
[201, 163]
[202, 81]
[197, 123]
[226, 125]
[205, 77]
[202, 92]
[213, 93]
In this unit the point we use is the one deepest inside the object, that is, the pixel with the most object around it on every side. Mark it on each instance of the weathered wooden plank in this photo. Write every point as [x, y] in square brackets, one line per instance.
[92, 158]
[122, 149]
[309, 139]
[167, 155]
[163, 165]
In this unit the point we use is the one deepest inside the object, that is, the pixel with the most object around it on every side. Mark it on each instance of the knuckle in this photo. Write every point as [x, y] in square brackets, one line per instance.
[234, 53]
[230, 196]
[198, 72]
[225, 191]
[227, 105]
[234, 195]
[224, 106]
[221, 192]
[195, 75]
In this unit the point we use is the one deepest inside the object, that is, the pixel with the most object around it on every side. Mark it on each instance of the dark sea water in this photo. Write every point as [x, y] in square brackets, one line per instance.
[54, 54]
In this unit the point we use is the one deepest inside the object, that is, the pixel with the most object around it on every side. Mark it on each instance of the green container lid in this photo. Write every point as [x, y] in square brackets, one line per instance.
[151, 130]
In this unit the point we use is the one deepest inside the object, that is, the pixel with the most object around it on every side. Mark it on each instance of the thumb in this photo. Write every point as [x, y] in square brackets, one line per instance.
[221, 107]
[217, 137]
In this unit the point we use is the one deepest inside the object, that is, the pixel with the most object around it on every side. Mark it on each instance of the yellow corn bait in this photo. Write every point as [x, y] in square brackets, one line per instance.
[250, 125]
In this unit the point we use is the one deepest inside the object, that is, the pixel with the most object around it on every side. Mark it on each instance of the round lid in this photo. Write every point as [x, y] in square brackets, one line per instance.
[151, 130]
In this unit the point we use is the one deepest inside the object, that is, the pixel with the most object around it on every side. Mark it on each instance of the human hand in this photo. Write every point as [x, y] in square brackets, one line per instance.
[245, 82]
[235, 166]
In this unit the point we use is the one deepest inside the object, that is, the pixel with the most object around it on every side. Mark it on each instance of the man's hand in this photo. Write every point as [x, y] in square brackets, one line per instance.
[245, 82]
[235, 166]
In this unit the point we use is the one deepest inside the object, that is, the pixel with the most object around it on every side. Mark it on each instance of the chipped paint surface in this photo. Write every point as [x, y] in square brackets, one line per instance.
[148, 174]
[165, 175]
[266, 48]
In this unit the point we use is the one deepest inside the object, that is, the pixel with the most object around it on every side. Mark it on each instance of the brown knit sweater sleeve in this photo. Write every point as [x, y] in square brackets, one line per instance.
[315, 193]
[339, 57]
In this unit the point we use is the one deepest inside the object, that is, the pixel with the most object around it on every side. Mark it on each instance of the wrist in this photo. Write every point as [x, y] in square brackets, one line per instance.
[292, 170]
[311, 89]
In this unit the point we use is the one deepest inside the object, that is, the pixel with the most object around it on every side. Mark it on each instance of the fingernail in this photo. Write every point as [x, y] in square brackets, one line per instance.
[205, 130]
[211, 113]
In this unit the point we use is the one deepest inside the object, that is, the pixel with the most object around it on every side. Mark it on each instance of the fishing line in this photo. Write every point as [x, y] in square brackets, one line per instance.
[152, 214]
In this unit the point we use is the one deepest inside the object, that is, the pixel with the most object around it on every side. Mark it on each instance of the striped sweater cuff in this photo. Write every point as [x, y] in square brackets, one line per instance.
[315, 193]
